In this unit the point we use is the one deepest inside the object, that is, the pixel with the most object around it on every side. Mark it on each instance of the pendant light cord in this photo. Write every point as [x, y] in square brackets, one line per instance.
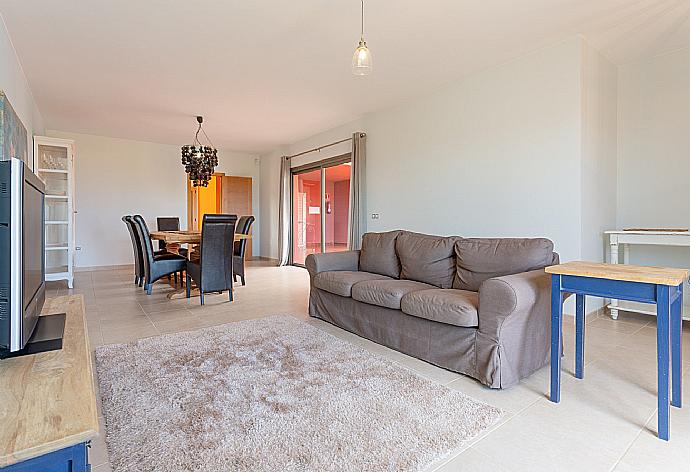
[361, 36]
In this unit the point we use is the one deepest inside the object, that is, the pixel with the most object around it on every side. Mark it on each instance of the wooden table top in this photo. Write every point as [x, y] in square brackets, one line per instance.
[47, 400]
[625, 272]
[186, 237]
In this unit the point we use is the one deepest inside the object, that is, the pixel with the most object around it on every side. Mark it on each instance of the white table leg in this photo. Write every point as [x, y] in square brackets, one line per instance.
[614, 260]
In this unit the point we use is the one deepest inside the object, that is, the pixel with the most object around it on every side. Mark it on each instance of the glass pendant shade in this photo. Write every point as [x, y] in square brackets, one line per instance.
[361, 61]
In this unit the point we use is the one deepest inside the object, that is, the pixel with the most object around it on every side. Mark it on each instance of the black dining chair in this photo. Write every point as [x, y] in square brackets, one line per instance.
[136, 249]
[156, 265]
[213, 271]
[244, 225]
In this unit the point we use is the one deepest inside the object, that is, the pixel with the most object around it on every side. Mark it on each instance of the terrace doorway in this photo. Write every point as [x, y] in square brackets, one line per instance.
[320, 208]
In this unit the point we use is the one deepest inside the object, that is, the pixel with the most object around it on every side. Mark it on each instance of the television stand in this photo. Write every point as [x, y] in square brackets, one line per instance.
[47, 336]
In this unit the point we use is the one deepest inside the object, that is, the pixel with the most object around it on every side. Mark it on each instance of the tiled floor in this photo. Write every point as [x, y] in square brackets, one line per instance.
[605, 422]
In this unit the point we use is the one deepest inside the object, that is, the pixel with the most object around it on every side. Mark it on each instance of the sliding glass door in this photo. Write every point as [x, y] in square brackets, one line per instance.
[320, 207]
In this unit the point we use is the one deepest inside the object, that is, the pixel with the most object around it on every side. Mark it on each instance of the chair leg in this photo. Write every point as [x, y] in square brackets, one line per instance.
[234, 277]
[175, 278]
[230, 294]
[201, 296]
[148, 288]
[189, 286]
[141, 281]
[136, 280]
[242, 277]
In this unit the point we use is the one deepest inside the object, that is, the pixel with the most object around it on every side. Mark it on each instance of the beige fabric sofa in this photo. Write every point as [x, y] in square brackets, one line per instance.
[478, 306]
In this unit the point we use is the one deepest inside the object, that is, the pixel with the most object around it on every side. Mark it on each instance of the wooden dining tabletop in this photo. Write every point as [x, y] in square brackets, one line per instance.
[186, 237]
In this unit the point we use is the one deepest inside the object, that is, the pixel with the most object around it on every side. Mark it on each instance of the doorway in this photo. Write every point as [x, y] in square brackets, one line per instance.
[203, 200]
[320, 208]
[227, 194]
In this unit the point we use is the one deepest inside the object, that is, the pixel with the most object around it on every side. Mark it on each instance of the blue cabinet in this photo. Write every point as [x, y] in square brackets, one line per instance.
[71, 459]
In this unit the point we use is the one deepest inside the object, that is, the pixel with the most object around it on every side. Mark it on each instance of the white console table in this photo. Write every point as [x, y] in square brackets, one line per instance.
[650, 238]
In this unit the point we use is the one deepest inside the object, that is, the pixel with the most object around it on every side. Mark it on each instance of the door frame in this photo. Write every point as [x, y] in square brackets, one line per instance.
[193, 204]
[303, 169]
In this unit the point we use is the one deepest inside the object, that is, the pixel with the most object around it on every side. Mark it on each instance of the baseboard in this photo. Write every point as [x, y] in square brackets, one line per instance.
[264, 258]
[105, 267]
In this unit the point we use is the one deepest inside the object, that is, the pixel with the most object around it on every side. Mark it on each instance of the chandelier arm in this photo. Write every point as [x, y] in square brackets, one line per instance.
[196, 135]
[208, 139]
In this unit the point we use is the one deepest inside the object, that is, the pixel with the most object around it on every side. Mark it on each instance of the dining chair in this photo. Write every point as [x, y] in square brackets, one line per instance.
[136, 249]
[244, 225]
[156, 265]
[213, 271]
[170, 223]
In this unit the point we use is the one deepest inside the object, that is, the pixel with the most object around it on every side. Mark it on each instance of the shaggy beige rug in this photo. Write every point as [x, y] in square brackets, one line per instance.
[274, 394]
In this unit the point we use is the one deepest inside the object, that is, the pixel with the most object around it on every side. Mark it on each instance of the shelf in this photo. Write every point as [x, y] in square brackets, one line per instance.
[54, 171]
[66, 197]
[56, 247]
[57, 270]
[57, 222]
[645, 308]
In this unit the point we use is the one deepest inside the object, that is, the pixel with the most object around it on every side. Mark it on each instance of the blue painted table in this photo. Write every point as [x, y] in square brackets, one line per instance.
[661, 286]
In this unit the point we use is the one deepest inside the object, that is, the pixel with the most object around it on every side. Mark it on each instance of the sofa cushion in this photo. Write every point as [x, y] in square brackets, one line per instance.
[449, 306]
[386, 293]
[378, 254]
[479, 259]
[428, 259]
[340, 282]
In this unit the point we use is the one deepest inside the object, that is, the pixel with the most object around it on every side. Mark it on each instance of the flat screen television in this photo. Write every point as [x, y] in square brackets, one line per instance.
[22, 254]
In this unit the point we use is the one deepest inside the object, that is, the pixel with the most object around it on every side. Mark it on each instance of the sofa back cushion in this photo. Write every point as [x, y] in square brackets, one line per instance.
[425, 258]
[378, 254]
[479, 259]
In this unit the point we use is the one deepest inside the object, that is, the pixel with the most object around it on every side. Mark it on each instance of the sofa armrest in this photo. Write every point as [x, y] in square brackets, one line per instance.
[515, 300]
[345, 260]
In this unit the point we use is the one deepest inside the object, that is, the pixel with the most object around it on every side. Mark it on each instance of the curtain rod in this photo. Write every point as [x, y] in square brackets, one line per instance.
[320, 148]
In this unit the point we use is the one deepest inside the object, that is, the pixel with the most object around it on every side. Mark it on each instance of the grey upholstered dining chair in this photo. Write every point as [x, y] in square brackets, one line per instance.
[167, 223]
[244, 225]
[156, 265]
[136, 249]
[213, 271]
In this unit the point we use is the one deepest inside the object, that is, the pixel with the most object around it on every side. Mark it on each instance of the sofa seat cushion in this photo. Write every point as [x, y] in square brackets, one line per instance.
[449, 306]
[386, 293]
[340, 282]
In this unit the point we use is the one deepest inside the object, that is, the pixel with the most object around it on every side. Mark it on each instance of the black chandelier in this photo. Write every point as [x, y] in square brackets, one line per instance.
[199, 161]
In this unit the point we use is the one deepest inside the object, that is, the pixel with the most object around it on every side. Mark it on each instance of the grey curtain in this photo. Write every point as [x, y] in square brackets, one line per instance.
[358, 202]
[284, 213]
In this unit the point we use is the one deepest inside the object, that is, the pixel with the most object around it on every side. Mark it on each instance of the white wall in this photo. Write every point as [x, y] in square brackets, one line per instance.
[654, 151]
[13, 82]
[599, 147]
[115, 177]
[496, 154]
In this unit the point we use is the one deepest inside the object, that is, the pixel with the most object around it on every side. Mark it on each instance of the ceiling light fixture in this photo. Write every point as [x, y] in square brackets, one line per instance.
[199, 161]
[361, 61]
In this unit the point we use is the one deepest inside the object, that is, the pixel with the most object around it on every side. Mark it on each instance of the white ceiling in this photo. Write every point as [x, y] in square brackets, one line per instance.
[271, 72]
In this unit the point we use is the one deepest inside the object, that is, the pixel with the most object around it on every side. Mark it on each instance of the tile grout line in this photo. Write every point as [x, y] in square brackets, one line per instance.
[639, 433]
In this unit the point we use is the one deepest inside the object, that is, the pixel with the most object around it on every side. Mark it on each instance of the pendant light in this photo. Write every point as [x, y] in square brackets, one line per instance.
[361, 61]
[199, 161]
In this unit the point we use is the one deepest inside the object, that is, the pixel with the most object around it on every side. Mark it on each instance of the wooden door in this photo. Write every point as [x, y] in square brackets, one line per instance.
[237, 200]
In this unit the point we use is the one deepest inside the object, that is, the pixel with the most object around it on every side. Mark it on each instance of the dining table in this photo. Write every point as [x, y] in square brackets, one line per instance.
[186, 237]
[173, 239]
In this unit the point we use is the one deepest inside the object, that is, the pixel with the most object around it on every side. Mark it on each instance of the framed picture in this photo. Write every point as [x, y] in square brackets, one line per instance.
[13, 139]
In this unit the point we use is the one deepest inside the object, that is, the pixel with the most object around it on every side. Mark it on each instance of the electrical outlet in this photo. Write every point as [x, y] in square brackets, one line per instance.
[375, 216]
